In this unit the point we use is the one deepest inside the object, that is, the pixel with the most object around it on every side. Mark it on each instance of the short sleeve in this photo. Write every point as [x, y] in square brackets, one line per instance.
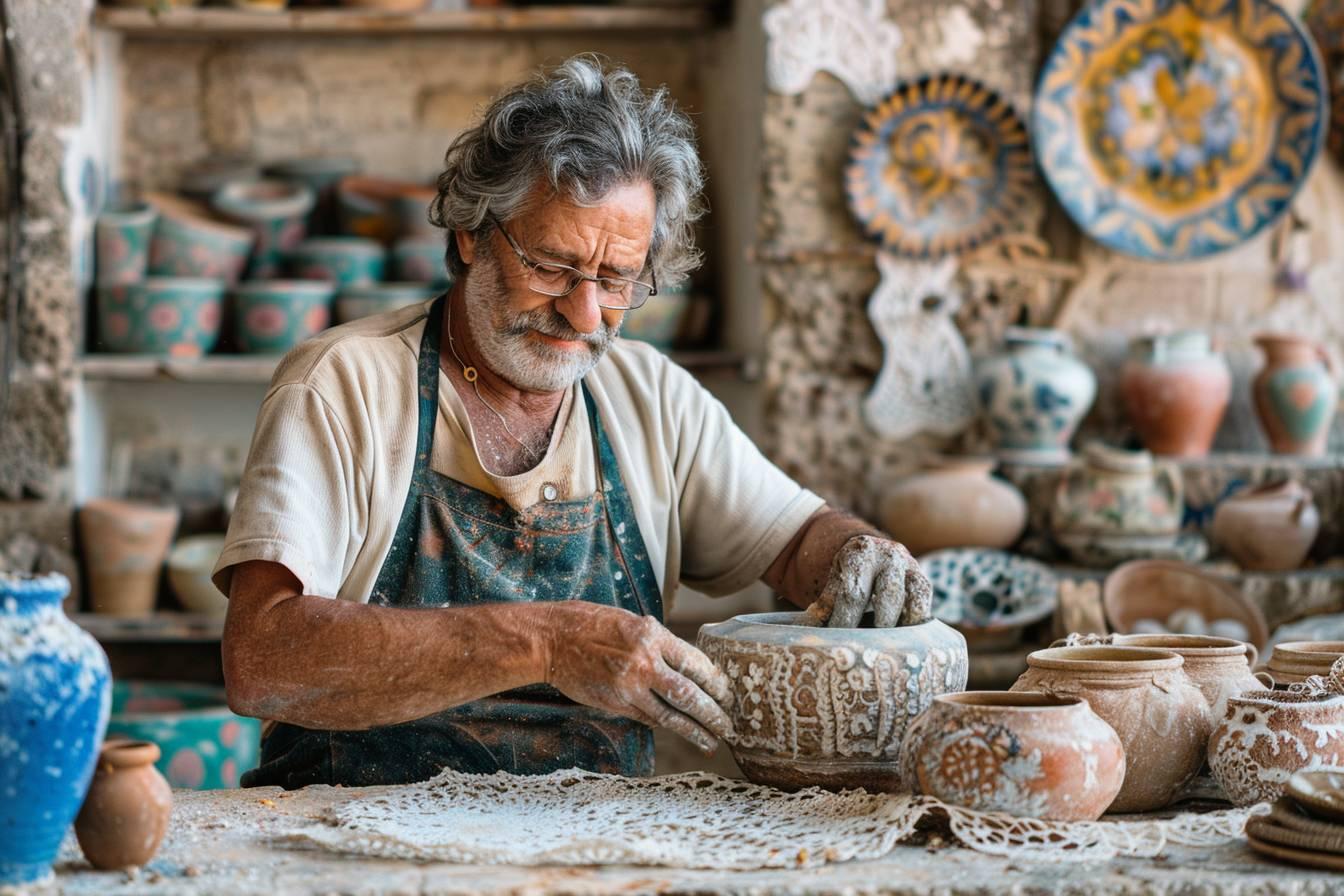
[737, 510]
[296, 502]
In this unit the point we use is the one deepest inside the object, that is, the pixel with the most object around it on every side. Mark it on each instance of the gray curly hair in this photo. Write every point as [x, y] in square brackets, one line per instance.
[586, 129]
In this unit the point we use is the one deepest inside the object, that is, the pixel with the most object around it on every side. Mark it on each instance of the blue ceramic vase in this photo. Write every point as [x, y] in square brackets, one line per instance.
[54, 701]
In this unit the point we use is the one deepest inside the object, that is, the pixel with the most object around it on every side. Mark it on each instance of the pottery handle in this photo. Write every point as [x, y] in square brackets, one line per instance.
[1301, 507]
[1253, 654]
[1266, 679]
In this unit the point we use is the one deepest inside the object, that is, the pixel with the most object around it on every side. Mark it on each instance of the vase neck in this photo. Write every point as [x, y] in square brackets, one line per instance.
[23, 594]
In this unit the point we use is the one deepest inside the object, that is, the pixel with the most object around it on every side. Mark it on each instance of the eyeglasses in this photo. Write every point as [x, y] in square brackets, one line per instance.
[551, 279]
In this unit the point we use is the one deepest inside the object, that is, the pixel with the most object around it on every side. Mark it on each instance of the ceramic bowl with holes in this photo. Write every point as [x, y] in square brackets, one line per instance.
[989, 596]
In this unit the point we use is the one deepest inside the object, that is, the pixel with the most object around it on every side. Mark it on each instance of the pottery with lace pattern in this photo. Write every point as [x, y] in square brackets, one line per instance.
[125, 813]
[1296, 394]
[1267, 527]
[1265, 737]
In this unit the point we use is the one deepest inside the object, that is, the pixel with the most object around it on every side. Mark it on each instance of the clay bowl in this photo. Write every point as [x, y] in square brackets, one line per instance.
[1319, 793]
[1219, 667]
[1153, 589]
[1026, 753]
[829, 707]
[1266, 737]
[1293, 661]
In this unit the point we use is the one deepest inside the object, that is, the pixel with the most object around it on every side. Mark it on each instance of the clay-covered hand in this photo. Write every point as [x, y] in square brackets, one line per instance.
[877, 574]
[611, 659]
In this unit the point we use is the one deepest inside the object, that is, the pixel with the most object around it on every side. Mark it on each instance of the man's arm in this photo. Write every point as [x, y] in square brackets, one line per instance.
[324, 663]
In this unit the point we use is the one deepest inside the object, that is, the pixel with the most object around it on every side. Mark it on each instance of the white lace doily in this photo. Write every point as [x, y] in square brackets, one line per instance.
[699, 820]
[851, 39]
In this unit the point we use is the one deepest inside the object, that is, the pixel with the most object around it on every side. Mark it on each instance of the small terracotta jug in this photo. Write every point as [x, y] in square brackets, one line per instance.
[125, 544]
[125, 813]
[954, 503]
[1175, 389]
[1267, 527]
[1295, 394]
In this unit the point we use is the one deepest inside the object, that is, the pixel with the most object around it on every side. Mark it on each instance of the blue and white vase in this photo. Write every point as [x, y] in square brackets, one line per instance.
[54, 699]
[1034, 394]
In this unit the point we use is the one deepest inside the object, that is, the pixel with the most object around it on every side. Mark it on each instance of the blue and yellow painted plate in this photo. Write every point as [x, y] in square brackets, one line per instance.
[938, 167]
[1176, 129]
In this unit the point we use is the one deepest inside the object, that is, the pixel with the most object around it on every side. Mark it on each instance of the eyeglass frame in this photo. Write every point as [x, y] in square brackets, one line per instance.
[531, 267]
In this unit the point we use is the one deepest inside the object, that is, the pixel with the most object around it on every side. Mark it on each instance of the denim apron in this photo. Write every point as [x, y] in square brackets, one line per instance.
[457, 546]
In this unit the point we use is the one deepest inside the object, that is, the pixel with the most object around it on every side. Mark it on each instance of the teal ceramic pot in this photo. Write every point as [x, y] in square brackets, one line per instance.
[202, 180]
[273, 316]
[204, 745]
[321, 176]
[276, 210]
[174, 316]
[189, 245]
[1034, 394]
[421, 260]
[1295, 394]
[356, 302]
[343, 260]
[659, 320]
[121, 243]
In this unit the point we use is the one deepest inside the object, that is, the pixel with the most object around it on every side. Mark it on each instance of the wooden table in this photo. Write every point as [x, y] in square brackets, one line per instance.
[218, 843]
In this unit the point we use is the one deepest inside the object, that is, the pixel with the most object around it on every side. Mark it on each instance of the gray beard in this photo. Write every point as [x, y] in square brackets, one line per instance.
[501, 336]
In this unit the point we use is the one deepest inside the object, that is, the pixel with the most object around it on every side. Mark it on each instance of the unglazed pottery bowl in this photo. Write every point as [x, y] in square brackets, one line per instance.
[1141, 692]
[190, 563]
[829, 707]
[1026, 753]
[1295, 661]
[205, 745]
[1266, 737]
[177, 317]
[273, 316]
[1154, 589]
[1219, 667]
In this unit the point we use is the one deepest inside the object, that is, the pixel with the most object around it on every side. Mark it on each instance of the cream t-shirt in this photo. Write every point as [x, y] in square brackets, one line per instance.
[334, 448]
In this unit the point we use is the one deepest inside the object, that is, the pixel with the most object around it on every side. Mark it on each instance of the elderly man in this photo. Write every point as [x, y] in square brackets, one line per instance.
[499, 493]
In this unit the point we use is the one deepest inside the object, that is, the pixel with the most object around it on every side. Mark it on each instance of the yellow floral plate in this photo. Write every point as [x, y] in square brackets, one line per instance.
[1176, 129]
[938, 167]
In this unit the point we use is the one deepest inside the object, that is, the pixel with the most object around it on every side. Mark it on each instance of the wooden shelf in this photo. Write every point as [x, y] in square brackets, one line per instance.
[217, 22]
[166, 627]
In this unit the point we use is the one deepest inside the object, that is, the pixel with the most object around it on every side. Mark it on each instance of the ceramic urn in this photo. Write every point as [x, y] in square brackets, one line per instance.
[1296, 394]
[1175, 389]
[954, 503]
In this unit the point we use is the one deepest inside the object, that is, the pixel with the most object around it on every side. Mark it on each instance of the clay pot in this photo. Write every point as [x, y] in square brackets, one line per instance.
[1265, 737]
[320, 175]
[1175, 390]
[273, 316]
[1027, 753]
[1219, 667]
[189, 242]
[1161, 717]
[1295, 394]
[276, 210]
[421, 260]
[955, 503]
[124, 546]
[1156, 589]
[125, 814]
[829, 707]
[177, 317]
[1034, 394]
[384, 209]
[356, 302]
[1116, 496]
[1267, 527]
[121, 243]
[1293, 661]
[343, 260]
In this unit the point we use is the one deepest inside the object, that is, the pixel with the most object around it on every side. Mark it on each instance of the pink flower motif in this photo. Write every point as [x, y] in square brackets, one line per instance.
[228, 733]
[203, 257]
[315, 321]
[116, 325]
[266, 321]
[186, 769]
[1100, 499]
[291, 234]
[114, 248]
[208, 317]
[228, 773]
[164, 318]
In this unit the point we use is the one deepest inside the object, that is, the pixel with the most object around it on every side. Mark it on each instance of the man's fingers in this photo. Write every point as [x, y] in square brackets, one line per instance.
[820, 610]
[689, 661]
[856, 569]
[889, 597]
[918, 596]
[686, 696]
[665, 716]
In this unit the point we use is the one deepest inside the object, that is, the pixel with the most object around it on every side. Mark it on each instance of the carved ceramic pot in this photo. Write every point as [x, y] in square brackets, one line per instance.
[1267, 527]
[1034, 395]
[954, 503]
[1295, 394]
[1027, 753]
[1219, 667]
[1141, 692]
[125, 813]
[1265, 737]
[829, 707]
[1175, 389]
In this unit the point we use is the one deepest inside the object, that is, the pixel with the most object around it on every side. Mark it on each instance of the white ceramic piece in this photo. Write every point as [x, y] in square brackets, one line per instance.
[851, 39]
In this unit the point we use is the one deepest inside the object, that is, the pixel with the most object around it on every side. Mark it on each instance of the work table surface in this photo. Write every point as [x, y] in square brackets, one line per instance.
[220, 842]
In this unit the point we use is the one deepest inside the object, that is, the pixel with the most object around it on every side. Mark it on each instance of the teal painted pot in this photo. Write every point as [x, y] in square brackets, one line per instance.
[659, 320]
[1034, 394]
[273, 316]
[321, 176]
[343, 260]
[421, 260]
[1295, 394]
[187, 242]
[121, 243]
[204, 745]
[276, 210]
[174, 316]
[356, 302]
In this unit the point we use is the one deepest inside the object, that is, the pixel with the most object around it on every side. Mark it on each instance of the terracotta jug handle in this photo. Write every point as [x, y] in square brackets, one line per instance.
[1253, 655]
[1303, 502]
[1266, 679]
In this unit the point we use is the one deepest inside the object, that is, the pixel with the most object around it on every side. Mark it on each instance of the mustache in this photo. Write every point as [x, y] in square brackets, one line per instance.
[553, 324]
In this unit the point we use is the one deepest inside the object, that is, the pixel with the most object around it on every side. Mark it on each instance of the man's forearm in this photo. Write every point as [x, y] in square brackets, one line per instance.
[800, 571]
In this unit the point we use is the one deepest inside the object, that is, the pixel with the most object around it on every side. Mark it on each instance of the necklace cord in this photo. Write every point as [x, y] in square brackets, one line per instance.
[471, 375]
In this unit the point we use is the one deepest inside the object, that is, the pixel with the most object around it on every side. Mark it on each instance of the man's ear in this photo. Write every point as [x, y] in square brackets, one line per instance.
[466, 245]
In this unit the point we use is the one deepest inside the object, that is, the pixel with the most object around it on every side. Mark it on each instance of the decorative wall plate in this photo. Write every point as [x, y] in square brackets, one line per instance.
[1325, 19]
[938, 167]
[989, 595]
[1176, 129]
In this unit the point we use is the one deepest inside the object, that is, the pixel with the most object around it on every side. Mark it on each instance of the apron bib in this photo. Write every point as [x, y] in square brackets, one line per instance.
[457, 546]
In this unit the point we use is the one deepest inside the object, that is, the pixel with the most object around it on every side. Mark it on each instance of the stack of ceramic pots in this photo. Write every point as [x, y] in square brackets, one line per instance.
[1175, 389]
[1296, 394]
[1306, 825]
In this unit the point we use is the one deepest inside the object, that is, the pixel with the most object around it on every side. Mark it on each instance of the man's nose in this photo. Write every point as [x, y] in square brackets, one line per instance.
[580, 307]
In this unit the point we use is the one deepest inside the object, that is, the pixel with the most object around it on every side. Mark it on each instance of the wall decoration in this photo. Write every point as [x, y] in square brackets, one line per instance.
[940, 166]
[1325, 19]
[1176, 129]
[926, 382]
[851, 39]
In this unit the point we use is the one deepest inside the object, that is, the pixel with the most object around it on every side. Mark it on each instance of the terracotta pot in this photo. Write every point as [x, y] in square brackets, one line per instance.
[1035, 393]
[1219, 667]
[1029, 754]
[125, 544]
[1267, 527]
[1175, 389]
[1265, 737]
[1161, 717]
[125, 814]
[829, 707]
[1295, 394]
[955, 503]
[1293, 661]
[1156, 589]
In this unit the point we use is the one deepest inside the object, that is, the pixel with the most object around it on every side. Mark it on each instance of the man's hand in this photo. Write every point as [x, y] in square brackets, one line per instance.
[630, 665]
[873, 573]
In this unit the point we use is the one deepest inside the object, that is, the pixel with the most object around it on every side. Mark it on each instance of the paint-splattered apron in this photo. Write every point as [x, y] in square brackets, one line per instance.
[459, 547]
